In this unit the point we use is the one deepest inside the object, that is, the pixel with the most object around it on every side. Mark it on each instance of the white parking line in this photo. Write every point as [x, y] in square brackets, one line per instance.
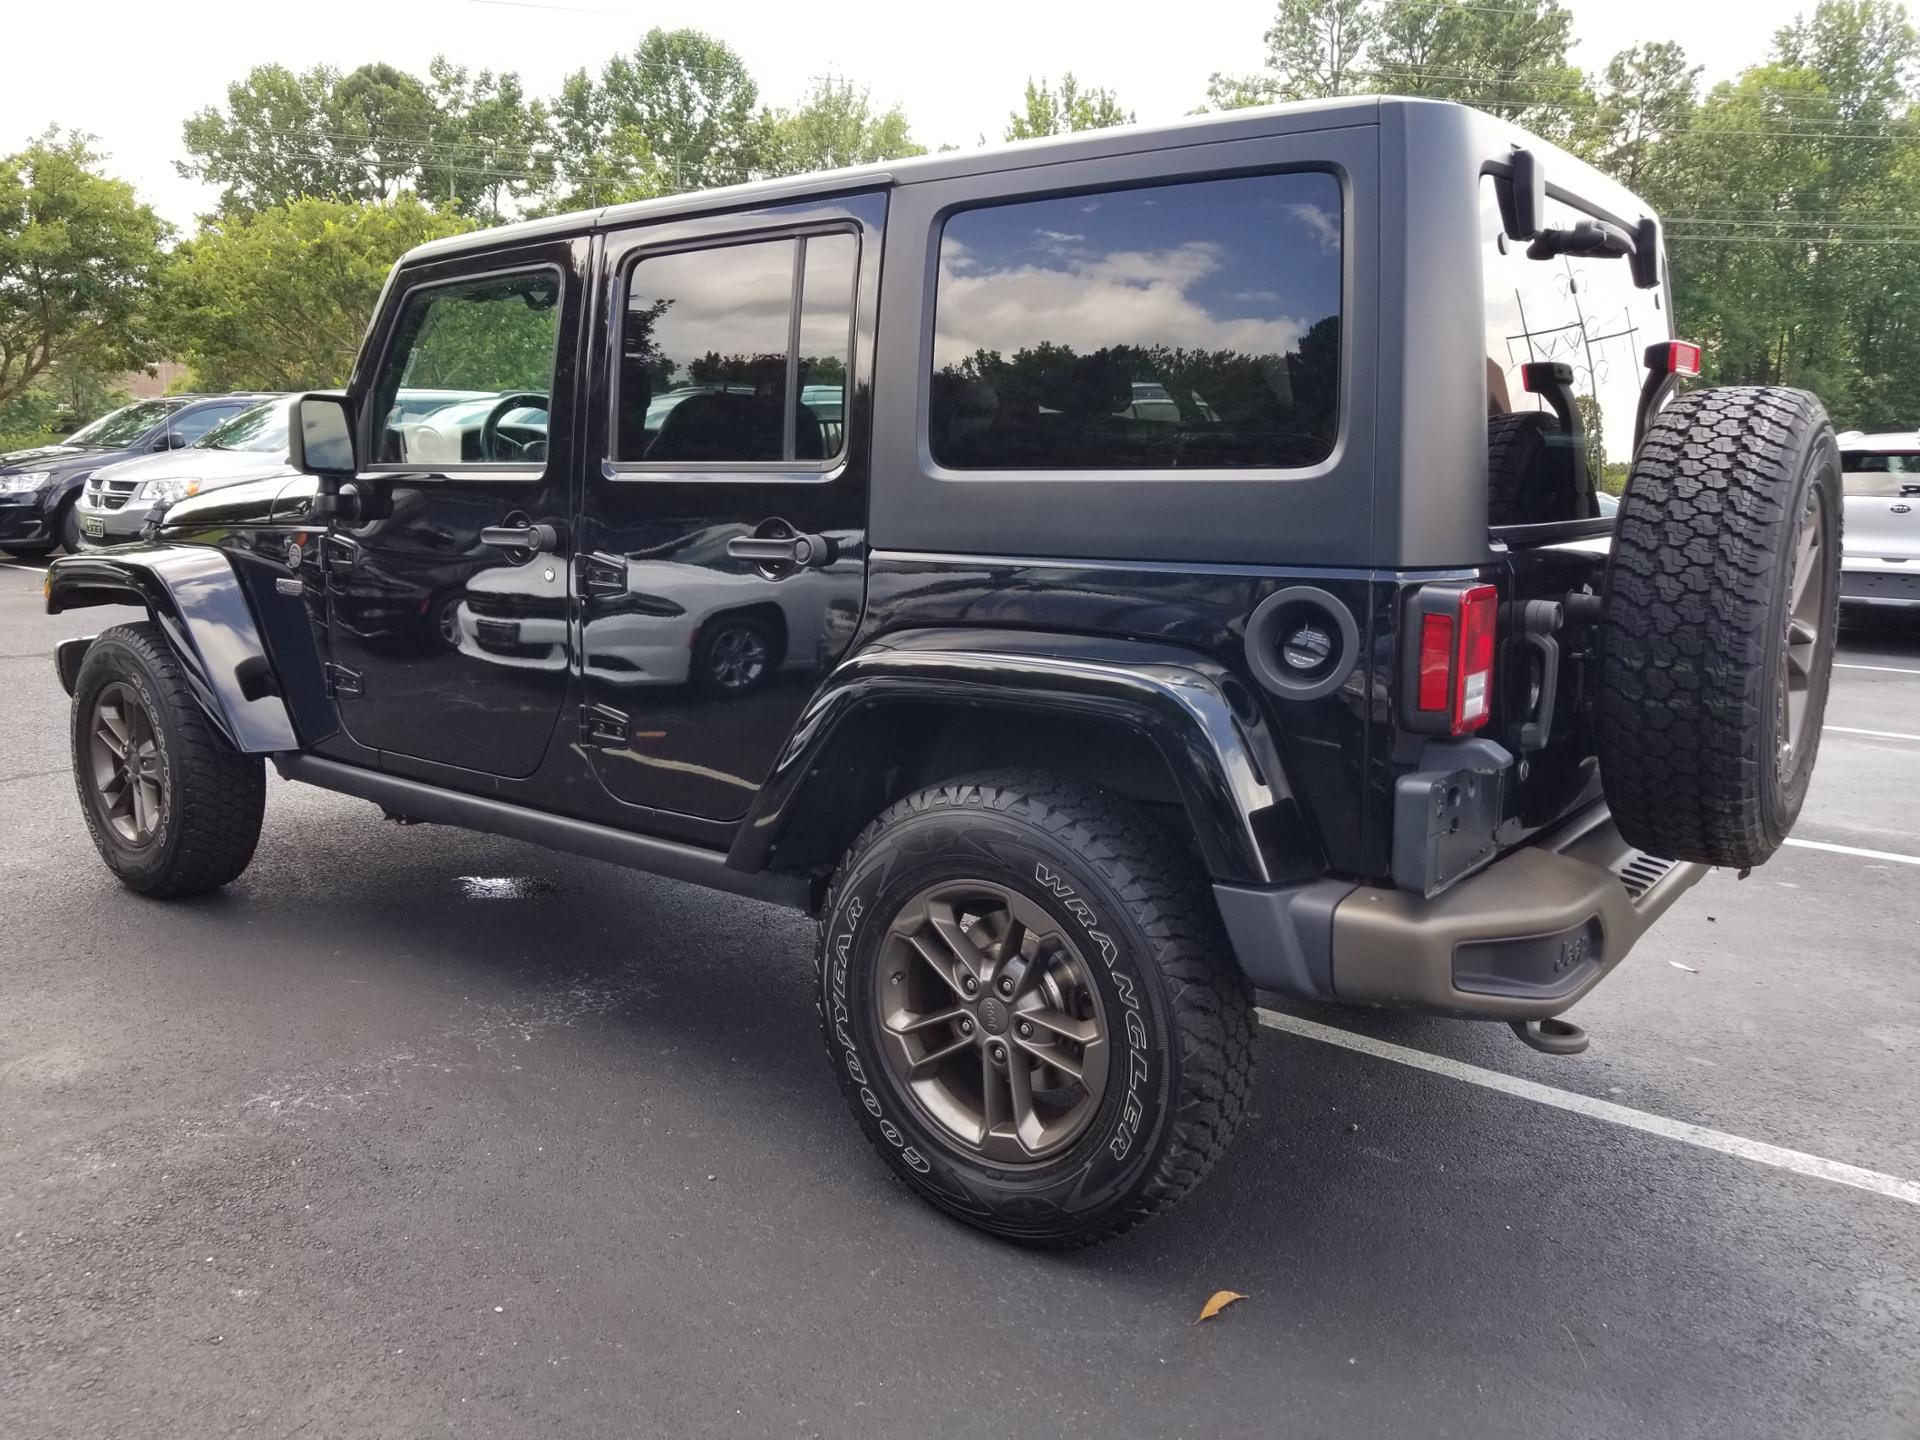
[1877, 734]
[1888, 669]
[1739, 1146]
[1892, 855]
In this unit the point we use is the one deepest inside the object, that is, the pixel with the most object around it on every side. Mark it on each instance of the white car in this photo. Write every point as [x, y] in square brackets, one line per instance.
[727, 628]
[1880, 557]
[117, 499]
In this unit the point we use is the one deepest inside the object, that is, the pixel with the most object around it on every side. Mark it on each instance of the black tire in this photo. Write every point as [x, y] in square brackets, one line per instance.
[1104, 873]
[722, 669]
[210, 797]
[66, 526]
[1695, 680]
[1531, 475]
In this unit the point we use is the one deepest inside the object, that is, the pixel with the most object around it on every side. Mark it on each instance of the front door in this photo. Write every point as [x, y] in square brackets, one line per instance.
[447, 598]
[722, 541]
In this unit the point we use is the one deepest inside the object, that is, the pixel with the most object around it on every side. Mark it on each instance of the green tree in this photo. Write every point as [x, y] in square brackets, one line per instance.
[493, 146]
[273, 142]
[836, 126]
[693, 100]
[1237, 92]
[1508, 59]
[1647, 96]
[381, 123]
[1056, 112]
[598, 157]
[1314, 47]
[77, 254]
[279, 299]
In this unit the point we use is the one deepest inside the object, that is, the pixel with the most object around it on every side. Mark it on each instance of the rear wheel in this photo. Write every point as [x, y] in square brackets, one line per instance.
[66, 525]
[736, 654]
[1032, 1008]
[173, 809]
[1722, 605]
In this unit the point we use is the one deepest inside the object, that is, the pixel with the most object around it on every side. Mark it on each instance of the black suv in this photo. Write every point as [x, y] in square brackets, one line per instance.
[38, 487]
[1095, 578]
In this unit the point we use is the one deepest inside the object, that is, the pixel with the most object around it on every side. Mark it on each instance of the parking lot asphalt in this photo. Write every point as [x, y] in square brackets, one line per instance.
[412, 1131]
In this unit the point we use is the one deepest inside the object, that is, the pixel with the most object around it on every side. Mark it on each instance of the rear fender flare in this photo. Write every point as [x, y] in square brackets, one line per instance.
[1198, 716]
[193, 594]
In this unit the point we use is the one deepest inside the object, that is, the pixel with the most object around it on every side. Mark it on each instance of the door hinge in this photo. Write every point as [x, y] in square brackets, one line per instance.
[603, 574]
[342, 681]
[603, 725]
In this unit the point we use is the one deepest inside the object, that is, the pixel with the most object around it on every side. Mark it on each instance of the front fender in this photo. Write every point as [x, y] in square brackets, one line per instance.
[1229, 775]
[194, 595]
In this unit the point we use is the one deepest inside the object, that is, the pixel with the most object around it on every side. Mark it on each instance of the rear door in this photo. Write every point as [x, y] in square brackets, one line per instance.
[449, 644]
[722, 529]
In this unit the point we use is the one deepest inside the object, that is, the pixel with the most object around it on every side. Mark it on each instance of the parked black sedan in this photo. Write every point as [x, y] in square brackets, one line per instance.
[38, 486]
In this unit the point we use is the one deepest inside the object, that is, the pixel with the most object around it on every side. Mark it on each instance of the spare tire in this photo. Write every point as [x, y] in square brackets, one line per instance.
[1531, 475]
[1721, 608]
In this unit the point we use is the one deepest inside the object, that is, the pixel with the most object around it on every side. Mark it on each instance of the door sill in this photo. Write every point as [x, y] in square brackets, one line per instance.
[419, 801]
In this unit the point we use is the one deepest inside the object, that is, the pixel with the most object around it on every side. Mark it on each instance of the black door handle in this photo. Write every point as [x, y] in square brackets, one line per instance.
[520, 537]
[803, 551]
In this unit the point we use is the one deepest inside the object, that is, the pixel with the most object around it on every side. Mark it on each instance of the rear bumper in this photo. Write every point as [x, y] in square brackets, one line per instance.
[1523, 939]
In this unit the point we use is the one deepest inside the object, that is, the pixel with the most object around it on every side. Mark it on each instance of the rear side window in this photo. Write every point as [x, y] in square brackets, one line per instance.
[738, 354]
[1193, 326]
[1582, 311]
[1880, 472]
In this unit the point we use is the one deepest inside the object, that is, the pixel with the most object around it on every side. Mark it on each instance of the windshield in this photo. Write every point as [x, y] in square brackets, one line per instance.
[125, 426]
[264, 428]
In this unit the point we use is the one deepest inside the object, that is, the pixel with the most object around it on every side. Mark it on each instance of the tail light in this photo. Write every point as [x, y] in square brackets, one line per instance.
[1452, 662]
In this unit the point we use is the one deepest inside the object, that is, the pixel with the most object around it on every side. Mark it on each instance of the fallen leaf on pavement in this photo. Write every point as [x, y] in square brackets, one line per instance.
[1678, 966]
[1219, 1301]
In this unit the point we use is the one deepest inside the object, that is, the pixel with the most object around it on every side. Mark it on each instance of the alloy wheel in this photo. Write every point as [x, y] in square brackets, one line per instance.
[124, 753]
[738, 657]
[989, 1019]
[1806, 613]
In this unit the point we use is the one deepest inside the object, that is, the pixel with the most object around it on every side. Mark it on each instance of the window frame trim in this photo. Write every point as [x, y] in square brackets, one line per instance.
[499, 471]
[1343, 179]
[782, 471]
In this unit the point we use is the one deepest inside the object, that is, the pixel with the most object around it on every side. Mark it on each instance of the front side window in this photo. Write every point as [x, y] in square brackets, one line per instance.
[468, 372]
[738, 354]
[1193, 326]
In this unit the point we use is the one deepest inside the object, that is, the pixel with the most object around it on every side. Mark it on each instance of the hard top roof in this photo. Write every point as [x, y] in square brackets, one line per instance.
[1291, 118]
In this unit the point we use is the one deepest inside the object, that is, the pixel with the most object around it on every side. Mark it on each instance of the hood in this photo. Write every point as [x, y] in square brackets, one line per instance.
[43, 456]
[210, 467]
[286, 497]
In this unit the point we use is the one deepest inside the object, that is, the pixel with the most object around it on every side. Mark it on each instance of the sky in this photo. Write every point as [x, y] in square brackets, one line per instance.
[130, 73]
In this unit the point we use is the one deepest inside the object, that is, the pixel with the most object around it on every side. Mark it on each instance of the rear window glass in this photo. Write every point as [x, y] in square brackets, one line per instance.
[1174, 327]
[1583, 312]
[1880, 472]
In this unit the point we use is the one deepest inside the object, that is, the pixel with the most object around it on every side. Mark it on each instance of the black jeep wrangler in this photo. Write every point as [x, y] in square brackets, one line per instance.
[1095, 578]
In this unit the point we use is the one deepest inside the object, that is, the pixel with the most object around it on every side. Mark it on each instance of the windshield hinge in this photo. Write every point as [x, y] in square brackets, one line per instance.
[602, 725]
[342, 681]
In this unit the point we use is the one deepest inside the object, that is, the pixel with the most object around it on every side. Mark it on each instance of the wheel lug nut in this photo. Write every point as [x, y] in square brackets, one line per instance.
[966, 1027]
[1006, 985]
[969, 984]
[1026, 1030]
[998, 1051]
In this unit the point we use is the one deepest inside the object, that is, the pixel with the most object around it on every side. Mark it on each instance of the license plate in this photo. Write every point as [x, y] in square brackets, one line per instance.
[497, 634]
[93, 525]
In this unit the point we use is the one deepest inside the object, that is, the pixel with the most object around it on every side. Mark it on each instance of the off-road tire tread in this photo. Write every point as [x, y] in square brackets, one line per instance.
[1212, 1004]
[1684, 639]
[1515, 495]
[222, 793]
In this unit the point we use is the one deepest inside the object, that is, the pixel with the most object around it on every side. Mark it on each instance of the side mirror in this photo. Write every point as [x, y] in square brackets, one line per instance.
[175, 440]
[1529, 205]
[1646, 254]
[320, 437]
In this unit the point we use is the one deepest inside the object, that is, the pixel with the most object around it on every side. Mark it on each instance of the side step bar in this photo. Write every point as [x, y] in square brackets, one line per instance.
[557, 832]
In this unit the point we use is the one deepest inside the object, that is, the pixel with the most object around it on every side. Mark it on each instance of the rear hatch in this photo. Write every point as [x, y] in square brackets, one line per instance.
[1586, 314]
[1882, 530]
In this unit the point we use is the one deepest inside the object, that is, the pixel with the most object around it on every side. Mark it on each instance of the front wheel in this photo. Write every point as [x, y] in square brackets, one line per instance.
[1032, 1008]
[174, 809]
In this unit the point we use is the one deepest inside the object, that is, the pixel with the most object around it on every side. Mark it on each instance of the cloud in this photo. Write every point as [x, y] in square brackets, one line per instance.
[1325, 225]
[1059, 237]
[1128, 297]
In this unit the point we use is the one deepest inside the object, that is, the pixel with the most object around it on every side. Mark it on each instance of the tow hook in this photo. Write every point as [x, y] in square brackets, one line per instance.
[1551, 1037]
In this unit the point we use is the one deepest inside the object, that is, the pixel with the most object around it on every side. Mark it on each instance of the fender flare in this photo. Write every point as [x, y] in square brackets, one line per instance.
[193, 594]
[1200, 718]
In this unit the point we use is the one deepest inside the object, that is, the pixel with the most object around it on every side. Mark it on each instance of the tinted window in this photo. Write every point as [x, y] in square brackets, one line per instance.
[125, 425]
[490, 341]
[195, 423]
[1179, 327]
[709, 370]
[1584, 312]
